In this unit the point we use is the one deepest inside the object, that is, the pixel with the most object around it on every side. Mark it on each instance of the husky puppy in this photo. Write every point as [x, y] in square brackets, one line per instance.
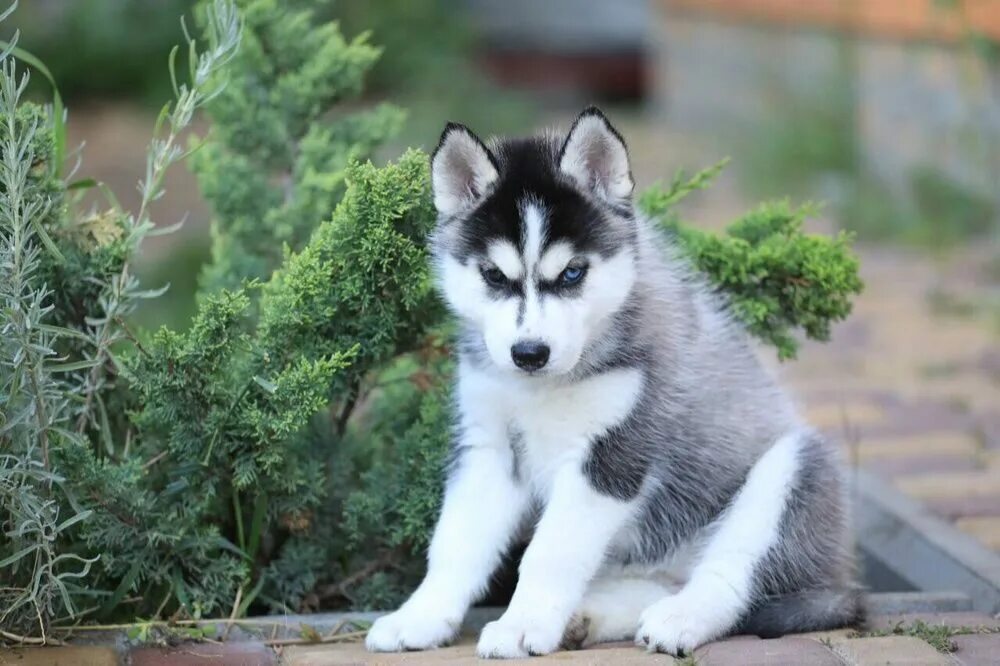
[610, 408]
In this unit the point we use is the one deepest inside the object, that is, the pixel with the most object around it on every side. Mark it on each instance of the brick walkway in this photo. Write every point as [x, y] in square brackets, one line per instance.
[931, 639]
[821, 649]
[911, 385]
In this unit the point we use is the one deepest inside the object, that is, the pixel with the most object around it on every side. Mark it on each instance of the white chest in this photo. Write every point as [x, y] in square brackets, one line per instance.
[549, 423]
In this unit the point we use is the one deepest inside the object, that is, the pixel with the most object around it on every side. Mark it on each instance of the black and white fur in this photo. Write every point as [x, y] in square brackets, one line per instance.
[671, 491]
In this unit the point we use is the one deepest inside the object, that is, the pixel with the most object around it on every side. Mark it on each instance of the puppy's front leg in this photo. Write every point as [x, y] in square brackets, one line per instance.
[483, 506]
[568, 548]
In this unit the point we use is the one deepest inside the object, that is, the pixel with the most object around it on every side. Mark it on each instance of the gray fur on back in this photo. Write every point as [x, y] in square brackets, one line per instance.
[709, 410]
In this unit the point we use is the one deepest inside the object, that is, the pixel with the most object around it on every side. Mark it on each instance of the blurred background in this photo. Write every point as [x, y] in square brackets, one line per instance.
[885, 111]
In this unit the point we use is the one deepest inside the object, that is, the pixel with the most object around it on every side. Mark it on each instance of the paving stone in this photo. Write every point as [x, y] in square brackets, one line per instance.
[988, 424]
[949, 486]
[905, 425]
[984, 528]
[958, 507]
[917, 464]
[60, 656]
[355, 654]
[815, 390]
[786, 651]
[990, 458]
[935, 444]
[977, 649]
[202, 654]
[968, 619]
[829, 636]
[887, 603]
[889, 650]
[977, 393]
[835, 415]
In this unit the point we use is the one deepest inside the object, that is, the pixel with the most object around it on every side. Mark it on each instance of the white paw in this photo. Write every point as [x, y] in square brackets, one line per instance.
[521, 637]
[410, 630]
[677, 626]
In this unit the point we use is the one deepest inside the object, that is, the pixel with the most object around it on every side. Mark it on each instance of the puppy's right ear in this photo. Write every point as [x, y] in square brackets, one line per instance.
[462, 169]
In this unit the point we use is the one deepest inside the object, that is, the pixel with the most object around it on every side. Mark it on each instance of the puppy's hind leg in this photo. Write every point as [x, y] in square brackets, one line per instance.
[610, 610]
[722, 585]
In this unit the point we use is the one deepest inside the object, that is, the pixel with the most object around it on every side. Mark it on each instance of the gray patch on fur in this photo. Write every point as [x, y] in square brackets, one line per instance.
[707, 412]
[807, 610]
[516, 439]
[805, 583]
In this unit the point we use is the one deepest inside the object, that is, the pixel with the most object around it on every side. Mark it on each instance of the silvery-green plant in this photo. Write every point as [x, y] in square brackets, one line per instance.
[34, 403]
[56, 341]
[121, 292]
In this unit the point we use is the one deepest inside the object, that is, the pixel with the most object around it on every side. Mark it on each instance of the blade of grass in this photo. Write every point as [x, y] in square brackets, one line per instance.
[123, 587]
[257, 525]
[47, 240]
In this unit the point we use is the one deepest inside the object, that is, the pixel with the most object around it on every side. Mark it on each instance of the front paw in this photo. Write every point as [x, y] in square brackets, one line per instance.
[521, 637]
[408, 629]
[676, 626]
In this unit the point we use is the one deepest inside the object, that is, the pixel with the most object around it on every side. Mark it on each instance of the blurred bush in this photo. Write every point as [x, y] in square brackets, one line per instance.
[809, 145]
[430, 67]
[114, 49]
[949, 211]
[807, 135]
[103, 48]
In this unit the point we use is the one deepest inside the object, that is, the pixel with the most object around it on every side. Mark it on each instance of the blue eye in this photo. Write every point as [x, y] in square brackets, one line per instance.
[572, 275]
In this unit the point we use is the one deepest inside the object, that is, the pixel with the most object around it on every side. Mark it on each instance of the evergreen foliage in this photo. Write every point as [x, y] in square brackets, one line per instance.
[285, 451]
[776, 279]
[275, 163]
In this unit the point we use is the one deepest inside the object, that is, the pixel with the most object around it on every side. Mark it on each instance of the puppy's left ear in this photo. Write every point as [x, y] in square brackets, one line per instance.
[595, 157]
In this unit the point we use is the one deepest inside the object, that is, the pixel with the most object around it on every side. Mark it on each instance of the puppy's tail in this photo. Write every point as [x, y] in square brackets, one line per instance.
[809, 610]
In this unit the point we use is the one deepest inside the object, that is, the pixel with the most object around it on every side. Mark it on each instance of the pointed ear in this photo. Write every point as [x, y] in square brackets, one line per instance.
[462, 169]
[595, 157]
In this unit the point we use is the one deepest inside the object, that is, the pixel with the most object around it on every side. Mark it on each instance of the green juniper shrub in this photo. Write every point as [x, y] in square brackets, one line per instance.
[777, 279]
[283, 133]
[285, 451]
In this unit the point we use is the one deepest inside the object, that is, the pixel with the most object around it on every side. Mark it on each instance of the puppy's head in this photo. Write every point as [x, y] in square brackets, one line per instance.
[535, 243]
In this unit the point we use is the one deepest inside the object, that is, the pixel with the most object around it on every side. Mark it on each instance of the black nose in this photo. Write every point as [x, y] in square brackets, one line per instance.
[530, 355]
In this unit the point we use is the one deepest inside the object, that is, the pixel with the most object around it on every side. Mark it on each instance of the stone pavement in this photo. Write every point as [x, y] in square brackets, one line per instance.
[910, 384]
[838, 648]
[932, 639]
